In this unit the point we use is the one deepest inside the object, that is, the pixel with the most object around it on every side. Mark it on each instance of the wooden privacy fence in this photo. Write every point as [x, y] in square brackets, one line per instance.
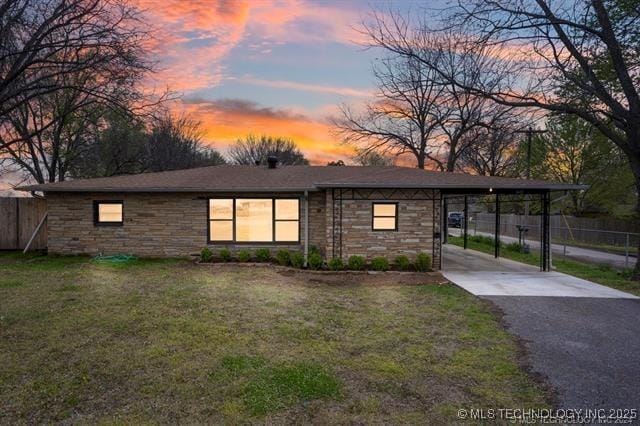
[19, 218]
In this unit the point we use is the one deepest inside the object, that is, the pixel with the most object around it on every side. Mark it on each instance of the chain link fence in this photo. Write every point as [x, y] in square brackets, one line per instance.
[617, 248]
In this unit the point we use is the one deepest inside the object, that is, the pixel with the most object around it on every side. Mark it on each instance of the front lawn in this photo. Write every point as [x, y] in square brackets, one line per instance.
[168, 341]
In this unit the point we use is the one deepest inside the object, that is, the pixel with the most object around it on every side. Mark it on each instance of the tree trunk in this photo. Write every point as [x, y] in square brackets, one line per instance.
[635, 167]
[421, 161]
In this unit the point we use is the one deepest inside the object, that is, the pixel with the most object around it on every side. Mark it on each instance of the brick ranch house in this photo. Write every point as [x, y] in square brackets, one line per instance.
[341, 210]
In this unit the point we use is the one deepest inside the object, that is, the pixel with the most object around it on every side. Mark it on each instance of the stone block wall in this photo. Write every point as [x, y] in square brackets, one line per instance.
[155, 225]
[175, 225]
[349, 224]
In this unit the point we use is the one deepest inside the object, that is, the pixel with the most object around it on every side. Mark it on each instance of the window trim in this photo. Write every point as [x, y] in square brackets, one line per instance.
[273, 221]
[373, 216]
[96, 213]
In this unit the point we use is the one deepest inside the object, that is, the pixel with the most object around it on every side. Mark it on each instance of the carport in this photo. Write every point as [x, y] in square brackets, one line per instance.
[528, 192]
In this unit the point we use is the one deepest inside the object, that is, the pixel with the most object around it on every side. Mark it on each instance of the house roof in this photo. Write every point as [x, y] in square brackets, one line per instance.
[294, 179]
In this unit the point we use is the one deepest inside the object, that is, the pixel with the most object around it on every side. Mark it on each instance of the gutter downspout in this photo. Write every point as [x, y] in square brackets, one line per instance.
[306, 227]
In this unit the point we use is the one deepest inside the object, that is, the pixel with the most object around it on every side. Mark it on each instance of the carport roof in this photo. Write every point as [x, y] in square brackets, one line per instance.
[297, 178]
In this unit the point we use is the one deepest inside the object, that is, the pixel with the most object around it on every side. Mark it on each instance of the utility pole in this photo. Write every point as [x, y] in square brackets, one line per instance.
[530, 131]
[529, 141]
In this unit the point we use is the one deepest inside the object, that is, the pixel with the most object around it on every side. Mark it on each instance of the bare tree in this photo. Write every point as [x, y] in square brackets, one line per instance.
[577, 59]
[403, 118]
[372, 158]
[49, 131]
[124, 145]
[117, 147]
[176, 143]
[416, 110]
[493, 152]
[255, 150]
[42, 41]
[63, 62]
[465, 113]
[494, 145]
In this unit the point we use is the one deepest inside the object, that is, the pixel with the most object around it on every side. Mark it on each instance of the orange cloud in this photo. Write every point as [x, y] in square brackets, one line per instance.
[226, 120]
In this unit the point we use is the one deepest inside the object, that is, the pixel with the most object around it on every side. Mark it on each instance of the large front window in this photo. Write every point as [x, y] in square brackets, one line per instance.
[254, 220]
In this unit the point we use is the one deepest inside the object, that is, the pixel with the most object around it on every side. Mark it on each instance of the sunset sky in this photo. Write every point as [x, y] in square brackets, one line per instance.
[265, 67]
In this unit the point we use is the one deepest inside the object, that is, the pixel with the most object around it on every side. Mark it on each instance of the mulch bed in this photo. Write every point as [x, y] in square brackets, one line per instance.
[341, 277]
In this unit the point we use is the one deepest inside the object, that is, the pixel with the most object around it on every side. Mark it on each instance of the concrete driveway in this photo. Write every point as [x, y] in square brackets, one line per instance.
[583, 337]
[483, 275]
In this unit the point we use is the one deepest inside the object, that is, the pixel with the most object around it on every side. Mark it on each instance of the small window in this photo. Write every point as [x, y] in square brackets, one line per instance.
[385, 217]
[108, 213]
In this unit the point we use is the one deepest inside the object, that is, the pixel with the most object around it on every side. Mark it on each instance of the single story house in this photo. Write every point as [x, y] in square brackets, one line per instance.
[341, 210]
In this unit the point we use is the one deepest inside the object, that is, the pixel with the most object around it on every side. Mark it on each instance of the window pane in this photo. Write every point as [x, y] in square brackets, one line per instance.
[254, 220]
[384, 223]
[109, 212]
[287, 209]
[287, 231]
[221, 209]
[221, 230]
[384, 209]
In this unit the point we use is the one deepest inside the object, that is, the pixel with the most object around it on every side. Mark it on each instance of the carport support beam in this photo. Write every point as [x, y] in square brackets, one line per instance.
[445, 221]
[466, 220]
[306, 228]
[544, 238]
[496, 242]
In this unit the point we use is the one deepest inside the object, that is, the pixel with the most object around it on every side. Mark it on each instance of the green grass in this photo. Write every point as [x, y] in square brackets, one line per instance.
[601, 274]
[166, 341]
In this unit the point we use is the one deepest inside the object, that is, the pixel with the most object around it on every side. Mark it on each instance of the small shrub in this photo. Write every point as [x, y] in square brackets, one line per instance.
[297, 260]
[402, 263]
[206, 255]
[283, 256]
[263, 254]
[314, 249]
[423, 262]
[315, 261]
[380, 264]
[336, 264]
[244, 256]
[514, 247]
[356, 263]
[225, 255]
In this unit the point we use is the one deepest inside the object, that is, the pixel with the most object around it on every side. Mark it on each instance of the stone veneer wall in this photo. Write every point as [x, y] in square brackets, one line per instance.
[155, 224]
[317, 221]
[418, 221]
[175, 224]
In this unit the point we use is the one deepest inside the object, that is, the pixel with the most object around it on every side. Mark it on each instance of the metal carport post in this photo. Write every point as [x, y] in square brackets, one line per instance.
[545, 243]
[466, 221]
[496, 241]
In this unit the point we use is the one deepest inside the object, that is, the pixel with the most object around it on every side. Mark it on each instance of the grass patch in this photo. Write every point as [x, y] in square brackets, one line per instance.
[239, 364]
[164, 341]
[278, 387]
[601, 274]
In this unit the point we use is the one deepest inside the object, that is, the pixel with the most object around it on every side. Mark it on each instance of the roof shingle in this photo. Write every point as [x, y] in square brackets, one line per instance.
[292, 179]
